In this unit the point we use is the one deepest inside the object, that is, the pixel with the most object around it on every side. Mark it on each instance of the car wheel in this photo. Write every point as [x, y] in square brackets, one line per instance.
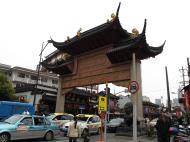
[4, 137]
[48, 136]
[85, 133]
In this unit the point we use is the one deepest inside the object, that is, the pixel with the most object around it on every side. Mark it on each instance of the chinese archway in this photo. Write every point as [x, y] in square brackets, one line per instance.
[99, 55]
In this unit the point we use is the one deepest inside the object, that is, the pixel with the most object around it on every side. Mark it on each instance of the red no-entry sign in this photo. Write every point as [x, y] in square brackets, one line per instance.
[133, 87]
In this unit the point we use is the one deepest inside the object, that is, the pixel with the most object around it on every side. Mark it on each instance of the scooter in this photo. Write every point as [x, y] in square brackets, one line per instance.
[180, 133]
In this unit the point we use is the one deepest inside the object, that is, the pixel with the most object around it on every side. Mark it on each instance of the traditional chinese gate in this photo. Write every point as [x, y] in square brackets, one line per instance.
[99, 55]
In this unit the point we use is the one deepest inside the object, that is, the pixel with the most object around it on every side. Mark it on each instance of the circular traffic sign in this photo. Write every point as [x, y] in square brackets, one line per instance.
[133, 87]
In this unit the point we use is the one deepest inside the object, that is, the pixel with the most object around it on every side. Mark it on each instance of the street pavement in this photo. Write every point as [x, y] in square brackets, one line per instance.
[111, 137]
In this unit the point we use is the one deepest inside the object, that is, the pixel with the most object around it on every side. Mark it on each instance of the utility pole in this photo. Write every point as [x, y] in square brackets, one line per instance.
[168, 90]
[188, 66]
[38, 72]
[182, 70]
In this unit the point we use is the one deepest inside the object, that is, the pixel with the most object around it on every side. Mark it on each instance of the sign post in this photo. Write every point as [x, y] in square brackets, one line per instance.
[102, 108]
[133, 88]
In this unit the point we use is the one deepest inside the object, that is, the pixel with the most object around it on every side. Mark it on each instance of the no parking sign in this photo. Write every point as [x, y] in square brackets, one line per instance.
[133, 87]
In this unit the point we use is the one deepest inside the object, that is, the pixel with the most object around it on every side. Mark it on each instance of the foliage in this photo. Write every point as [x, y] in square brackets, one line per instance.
[6, 89]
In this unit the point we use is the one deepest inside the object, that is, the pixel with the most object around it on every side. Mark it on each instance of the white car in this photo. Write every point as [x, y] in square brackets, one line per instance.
[153, 122]
[60, 118]
[114, 124]
[87, 123]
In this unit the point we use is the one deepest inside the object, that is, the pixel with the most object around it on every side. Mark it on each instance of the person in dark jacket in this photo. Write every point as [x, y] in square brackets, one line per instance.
[162, 126]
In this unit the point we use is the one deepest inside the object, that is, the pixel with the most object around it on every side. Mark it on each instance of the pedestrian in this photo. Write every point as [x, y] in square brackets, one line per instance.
[73, 131]
[162, 126]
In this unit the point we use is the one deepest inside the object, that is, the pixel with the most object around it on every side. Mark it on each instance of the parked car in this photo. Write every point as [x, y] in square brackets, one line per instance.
[114, 124]
[153, 122]
[87, 123]
[17, 127]
[60, 118]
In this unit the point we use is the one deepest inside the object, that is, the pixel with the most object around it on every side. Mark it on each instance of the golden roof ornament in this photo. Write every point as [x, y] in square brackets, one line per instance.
[79, 32]
[135, 33]
[113, 17]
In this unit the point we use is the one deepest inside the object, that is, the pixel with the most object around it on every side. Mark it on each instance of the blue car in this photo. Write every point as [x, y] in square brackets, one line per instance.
[17, 127]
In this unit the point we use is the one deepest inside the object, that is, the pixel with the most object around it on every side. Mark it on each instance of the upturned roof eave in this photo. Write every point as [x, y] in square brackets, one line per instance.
[91, 32]
[142, 52]
[58, 68]
[134, 45]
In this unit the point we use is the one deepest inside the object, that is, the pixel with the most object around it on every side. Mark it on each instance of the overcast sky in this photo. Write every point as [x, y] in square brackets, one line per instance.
[25, 24]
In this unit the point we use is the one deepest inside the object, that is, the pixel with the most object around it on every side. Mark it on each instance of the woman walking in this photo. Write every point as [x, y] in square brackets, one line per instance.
[73, 131]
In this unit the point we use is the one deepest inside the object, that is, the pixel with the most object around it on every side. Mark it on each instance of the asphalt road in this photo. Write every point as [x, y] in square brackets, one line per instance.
[95, 138]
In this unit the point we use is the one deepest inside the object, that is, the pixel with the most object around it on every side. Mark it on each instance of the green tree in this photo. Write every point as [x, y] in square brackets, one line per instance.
[6, 89]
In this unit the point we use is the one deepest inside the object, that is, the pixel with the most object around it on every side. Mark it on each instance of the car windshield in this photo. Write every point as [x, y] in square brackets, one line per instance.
[82, 118]
[13, 119]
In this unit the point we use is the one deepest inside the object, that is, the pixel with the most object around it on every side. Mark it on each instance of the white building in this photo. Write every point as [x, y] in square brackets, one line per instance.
[25, 83]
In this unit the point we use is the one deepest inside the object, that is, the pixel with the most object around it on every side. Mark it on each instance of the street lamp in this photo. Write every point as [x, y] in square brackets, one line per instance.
[38, 71]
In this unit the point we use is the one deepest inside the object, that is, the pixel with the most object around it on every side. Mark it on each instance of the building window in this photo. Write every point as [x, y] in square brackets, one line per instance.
[21, 75]
[44, 79]
[33, 77]
[54, 81]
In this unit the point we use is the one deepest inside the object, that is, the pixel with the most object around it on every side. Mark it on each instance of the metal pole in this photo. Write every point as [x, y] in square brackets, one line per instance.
[134, 102]
[108, 94]
[188, 69]
[168, 91]
[38, 72]
[105, 123]
[183, 76]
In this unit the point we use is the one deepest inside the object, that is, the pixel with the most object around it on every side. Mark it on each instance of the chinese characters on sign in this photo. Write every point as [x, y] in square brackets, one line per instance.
[102, 103]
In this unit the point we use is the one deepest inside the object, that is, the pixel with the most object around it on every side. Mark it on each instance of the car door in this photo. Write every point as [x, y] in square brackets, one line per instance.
[23, 128]
[96, 124]
[39, 128]
[90, 124]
